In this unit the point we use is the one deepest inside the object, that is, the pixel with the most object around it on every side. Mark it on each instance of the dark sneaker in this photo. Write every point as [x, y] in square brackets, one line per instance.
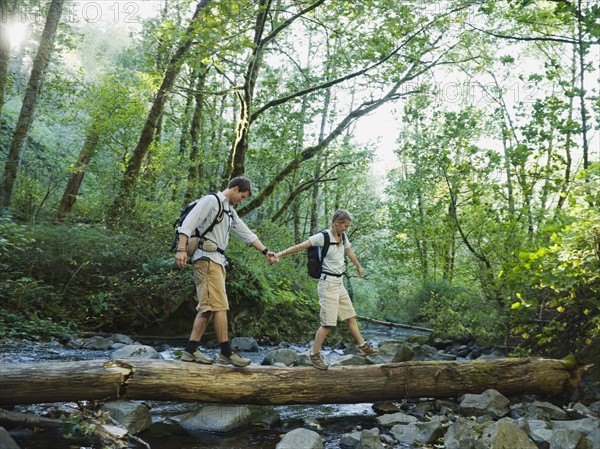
[197, 357]
[367, 349]
[234, 359]
[317, 361]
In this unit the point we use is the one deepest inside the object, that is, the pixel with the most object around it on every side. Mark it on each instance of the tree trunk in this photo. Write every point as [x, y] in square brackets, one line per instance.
[40, 63]
[4, 51]
[134, 165]
[72, 189]
[162, 380]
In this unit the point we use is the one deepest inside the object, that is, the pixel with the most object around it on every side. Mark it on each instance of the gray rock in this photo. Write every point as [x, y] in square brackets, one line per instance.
[245, 344]
[285, 356]
[6, 441]
[133, 415]
[350, 440]
[395, 418]
[594, 438]
[121, 338]
[545, 410]
[490, 402]
[568, 439]
[466, 434]
[216, 418]
[369, 439]
[97, 343]
[349, 360]
[300, 439]
[585, 425]
[136, 352]
[418, 432]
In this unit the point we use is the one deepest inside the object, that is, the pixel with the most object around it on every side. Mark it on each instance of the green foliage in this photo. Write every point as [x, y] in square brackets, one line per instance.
[557, 285]
[460, 313]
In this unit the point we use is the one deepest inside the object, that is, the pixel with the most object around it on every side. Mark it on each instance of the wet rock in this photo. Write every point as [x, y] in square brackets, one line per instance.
[123, 339]
[385, 407]
[133, 415]
[350, 440]
[395, 418]
[300, 439]
[349, 360]
[568, 439]
[245, 344]
[490, 402]
[285, 356]
[97, 343]
[466, 434]
[369, 439]
[6, 441]
[216, 418]
[136, 352]
[418, 432]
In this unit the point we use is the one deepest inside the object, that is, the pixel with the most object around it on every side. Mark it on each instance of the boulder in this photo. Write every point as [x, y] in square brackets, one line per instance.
[133, 415]
[300, 439]
[418, 432]
[490, 402]
[216, 418]
[349, 360]
[136, 352]
[285, 356]
[245, 344]
[369, 439]
[395, 418]
[6, 441]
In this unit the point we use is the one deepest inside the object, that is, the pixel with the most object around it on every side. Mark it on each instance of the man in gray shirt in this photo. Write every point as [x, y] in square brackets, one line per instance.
[209, 264]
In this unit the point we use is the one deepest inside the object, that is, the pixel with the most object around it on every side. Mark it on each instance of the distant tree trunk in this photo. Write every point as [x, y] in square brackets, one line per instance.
[568, 139]
[130, 177]
[582, 51]
[72, 189]
[237, 156]
[4, 52]
[40, 63]
[195, 161]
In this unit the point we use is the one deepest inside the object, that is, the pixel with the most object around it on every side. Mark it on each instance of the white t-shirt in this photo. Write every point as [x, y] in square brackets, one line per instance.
[334, 261]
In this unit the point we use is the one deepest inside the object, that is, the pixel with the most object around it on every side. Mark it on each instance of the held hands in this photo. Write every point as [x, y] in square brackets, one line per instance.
[272, 258]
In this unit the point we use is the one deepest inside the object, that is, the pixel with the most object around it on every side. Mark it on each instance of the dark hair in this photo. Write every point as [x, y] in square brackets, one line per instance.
[243, 184]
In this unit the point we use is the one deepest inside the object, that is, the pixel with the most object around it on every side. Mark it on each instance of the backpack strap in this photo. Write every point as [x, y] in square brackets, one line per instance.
[326, 245]
[218, 218]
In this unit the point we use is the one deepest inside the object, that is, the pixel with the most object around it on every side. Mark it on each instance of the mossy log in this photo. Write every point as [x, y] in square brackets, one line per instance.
[180, 381]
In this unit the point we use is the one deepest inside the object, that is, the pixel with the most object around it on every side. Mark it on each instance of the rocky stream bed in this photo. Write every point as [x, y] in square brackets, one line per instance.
[474, 421]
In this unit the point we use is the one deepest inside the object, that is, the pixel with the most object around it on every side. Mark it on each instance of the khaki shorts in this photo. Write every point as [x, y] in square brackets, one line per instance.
[335, 303]
[209, 278]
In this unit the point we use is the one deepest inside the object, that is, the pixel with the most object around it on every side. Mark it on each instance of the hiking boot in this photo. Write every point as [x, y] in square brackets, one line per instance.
[197, 356]
[367, 349]
[317, 361]
[234, 359]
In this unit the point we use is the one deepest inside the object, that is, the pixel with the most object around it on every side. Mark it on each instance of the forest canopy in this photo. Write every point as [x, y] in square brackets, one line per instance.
[462, 135]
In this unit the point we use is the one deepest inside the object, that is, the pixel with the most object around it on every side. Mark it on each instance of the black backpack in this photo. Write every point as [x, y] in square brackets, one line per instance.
[316, 254]
[184, 213]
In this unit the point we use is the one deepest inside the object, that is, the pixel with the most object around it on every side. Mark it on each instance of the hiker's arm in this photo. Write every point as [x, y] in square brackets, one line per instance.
[180, 253]
[294, 249]
[263, 249]
[355, 261]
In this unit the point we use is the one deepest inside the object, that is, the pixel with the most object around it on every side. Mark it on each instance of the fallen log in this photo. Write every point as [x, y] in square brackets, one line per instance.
[180, 381]
[398, 325]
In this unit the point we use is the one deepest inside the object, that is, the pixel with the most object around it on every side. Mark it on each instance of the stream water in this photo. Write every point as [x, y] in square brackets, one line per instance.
[331, 421]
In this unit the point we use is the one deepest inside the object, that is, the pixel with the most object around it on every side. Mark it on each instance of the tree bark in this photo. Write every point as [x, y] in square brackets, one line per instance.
[77, 174]
[162, 380]
[40, 63]
[134, 166]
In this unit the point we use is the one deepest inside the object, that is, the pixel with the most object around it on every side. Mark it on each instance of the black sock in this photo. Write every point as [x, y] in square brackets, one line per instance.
[191, 346]
[226, 348]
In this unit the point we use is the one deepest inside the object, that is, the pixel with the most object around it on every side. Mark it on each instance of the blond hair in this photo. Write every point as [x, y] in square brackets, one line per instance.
[341, 215]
